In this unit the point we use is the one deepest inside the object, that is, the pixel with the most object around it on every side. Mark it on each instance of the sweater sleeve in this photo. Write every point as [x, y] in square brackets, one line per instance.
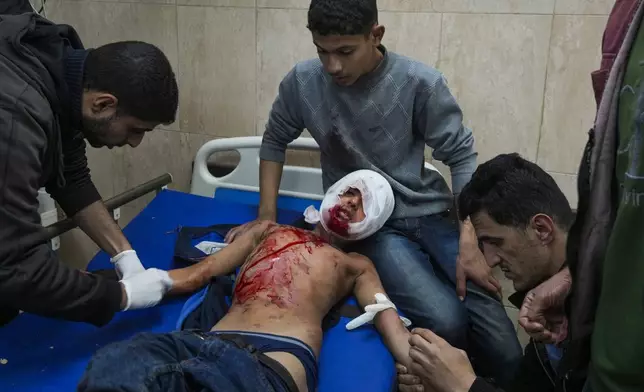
[285, 122]
[439, 119]
[79, 190]
[31, 277]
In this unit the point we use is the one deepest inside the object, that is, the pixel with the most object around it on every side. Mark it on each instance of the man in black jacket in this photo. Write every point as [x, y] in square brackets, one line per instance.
[521, 219]
[54, 96]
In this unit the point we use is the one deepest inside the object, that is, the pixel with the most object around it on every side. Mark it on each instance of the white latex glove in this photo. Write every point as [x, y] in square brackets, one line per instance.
[127, 264]
[146, 289]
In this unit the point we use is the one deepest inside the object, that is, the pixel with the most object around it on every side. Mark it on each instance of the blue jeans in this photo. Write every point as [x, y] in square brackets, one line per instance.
[178, 361]
[416, 261]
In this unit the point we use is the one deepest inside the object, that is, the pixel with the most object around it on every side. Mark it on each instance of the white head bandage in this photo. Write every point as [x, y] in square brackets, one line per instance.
[377, 201]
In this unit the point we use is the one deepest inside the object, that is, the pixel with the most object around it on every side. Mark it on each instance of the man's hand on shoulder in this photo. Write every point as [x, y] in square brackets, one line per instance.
[542, 314]
[471, 264]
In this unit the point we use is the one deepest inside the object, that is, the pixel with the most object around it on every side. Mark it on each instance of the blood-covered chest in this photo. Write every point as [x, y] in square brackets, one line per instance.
[288, 263]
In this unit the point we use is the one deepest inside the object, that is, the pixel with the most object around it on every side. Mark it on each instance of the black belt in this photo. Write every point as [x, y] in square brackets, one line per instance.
[267, 361]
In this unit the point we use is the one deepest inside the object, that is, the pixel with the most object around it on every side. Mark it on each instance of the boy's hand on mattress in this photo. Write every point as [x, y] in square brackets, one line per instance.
[146, 289]
[254, 228]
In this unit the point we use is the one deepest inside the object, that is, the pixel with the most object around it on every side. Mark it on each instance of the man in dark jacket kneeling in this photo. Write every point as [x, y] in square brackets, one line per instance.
[521, 219]
[55, 95]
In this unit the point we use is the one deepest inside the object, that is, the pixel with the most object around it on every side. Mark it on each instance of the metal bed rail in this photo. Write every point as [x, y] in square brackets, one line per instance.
[115, 202]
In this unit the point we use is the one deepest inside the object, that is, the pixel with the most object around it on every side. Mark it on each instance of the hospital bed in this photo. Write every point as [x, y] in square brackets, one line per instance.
[40, 354]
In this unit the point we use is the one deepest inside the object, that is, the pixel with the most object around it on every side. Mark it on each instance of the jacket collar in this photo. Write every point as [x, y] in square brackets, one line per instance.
[517, 298]
[73, 74]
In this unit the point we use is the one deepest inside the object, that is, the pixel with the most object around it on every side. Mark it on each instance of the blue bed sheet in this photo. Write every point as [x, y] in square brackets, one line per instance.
[40, 354]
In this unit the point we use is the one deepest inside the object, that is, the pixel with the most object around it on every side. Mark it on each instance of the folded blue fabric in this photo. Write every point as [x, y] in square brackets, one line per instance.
[188, 237]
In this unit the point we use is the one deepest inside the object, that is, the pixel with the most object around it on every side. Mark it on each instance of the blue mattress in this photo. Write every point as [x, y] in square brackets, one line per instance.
[50, 355]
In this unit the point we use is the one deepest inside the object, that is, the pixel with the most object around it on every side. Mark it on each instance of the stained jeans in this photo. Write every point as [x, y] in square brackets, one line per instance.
[416, 261]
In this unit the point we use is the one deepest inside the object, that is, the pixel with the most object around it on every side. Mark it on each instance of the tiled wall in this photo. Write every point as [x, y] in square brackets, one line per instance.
[519, 68]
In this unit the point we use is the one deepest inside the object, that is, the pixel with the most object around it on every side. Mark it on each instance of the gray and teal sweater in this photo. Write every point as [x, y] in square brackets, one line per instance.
[381, 123]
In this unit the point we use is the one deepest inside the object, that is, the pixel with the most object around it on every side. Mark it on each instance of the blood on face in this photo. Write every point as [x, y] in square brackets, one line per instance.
[336, 223]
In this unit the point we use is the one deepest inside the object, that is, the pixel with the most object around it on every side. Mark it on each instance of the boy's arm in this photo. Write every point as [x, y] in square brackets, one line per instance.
[285, 124]
[439, 118]
[190, 279]
[392, 330]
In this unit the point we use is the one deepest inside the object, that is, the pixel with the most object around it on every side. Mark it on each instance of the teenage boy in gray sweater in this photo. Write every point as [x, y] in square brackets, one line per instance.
[369, 108]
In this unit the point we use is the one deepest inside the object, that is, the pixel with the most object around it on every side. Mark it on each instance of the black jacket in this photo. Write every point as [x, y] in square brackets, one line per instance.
[15, 7]
[535, 372]
[39, 146]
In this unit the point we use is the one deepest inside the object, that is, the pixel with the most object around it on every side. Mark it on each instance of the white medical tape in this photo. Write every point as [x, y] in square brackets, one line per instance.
[382, 303]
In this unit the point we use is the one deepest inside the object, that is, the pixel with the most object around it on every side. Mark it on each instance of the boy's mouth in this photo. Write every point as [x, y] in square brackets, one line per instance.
[343, 213]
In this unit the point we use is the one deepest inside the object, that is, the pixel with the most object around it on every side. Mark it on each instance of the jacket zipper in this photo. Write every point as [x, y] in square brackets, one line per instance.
[543, 365]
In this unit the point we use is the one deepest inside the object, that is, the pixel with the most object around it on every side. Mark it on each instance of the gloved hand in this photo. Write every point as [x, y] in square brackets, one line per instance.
[127, 264]
[146, 289]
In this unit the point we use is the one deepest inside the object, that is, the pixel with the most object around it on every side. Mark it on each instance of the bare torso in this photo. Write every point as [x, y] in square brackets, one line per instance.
[286, 287]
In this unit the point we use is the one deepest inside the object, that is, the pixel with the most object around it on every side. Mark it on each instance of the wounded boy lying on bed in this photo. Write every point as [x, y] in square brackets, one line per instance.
[271, 337]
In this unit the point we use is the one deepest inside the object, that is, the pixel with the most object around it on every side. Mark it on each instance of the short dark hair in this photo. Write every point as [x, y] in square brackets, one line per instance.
[511, 190]
[139, 75]
[342, 17]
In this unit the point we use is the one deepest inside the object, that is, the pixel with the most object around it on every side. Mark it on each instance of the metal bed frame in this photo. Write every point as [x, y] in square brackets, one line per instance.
[154, 185]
